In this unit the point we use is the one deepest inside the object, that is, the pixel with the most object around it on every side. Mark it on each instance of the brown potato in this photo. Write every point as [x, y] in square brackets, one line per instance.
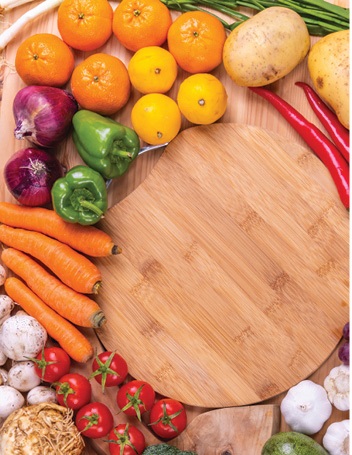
[266, 47]
[329, 69]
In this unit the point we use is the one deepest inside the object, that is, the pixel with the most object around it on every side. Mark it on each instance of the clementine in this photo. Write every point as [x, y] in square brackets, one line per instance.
[44, 59]
[101, 84]
[196, 40]
[141, 23]
[85, 25]
[152, 69]
[202, 98]
[156, 118]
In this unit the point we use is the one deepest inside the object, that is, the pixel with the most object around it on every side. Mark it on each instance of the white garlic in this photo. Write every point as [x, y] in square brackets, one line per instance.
[337, 385]
[306, 407]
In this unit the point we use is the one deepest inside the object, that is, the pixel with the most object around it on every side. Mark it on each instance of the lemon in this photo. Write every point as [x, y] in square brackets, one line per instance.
[152, 69]
[156, 118]
[202, 98]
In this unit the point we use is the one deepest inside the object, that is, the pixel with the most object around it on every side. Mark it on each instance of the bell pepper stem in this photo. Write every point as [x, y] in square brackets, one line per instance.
[89, 205]
[123, 154]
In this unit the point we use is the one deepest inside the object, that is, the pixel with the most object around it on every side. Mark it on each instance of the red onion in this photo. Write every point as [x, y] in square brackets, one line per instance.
[344, 353]
[30, 174]
[346, 331]
[43, 115]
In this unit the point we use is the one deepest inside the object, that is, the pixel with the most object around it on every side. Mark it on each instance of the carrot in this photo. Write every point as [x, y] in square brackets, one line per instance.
[87, 239]
[74, 269]
[67, 335]
[74, 306]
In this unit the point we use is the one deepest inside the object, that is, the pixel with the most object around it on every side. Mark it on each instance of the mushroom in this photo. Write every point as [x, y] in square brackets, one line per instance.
[6, 306]
[22, 376]
[41, 394]
[10, 400]
[22, 337]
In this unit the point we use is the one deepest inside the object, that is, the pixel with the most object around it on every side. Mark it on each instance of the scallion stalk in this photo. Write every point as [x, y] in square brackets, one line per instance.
[321, 17]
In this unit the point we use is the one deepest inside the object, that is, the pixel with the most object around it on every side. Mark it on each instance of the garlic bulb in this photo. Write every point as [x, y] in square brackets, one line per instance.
[337, 438]
[337, 385]
[306, 407]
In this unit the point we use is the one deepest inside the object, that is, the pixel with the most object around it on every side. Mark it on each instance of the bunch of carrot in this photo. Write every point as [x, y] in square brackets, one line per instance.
[54, 275]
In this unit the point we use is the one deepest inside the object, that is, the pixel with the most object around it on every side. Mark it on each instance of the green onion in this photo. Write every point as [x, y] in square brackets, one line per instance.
[320, 16]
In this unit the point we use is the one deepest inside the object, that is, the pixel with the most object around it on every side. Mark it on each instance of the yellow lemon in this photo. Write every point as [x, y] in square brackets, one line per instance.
[156, 118]
[152, 69]
[202, 98]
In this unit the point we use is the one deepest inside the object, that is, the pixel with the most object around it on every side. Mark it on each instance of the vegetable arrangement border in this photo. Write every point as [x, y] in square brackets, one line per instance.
[320, 16]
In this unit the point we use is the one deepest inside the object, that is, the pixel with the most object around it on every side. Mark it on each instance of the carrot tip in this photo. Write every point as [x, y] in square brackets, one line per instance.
[116, 250]
[96, 287]
[98, 320]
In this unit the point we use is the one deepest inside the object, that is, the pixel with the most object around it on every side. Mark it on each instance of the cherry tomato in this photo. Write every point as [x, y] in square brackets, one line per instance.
[94, 420]
[109, 369]
[73, 390]
[52, 363]
[168, 418]
[126, 439]
[135, 397]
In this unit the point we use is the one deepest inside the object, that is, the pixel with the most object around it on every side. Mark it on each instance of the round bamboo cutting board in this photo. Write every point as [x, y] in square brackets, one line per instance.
[233, 281]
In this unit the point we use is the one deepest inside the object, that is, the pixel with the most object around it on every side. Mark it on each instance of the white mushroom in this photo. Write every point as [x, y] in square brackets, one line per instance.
[6, 306]
[41, 394]
[22, 337]
[3, 358]
[10, 400]
[3, 376]
[2, 275]
[22, 376]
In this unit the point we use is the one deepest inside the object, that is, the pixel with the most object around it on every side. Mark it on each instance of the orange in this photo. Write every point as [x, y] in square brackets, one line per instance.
[85, 25]
[202, 98]
[152, 69]
[196, 40]
[101, 84]
[156, 118]
[141, 23]
[44, 59]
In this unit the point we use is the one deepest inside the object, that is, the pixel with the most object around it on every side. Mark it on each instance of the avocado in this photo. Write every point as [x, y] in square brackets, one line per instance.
[292, 443]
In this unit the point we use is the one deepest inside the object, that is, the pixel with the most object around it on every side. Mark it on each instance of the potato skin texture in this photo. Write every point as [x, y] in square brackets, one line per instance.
[329, 70]
[266, 47]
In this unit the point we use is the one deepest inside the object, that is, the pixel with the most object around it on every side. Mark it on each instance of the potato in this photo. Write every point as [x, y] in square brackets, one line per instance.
[266, 47]
[329, 69]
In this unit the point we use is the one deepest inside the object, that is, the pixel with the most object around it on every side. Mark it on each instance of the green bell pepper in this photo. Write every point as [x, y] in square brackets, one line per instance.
[80, 196]
[103, 144]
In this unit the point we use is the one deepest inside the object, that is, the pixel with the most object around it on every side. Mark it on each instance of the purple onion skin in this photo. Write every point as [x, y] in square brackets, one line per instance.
[346, 331]
[43, 114]
[344, 353]
[30, 174]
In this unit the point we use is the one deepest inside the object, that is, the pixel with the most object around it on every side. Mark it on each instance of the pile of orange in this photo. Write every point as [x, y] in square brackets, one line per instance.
[159, 47]
[141, 23]
[44, 59]
[87, 25]
[196, 40]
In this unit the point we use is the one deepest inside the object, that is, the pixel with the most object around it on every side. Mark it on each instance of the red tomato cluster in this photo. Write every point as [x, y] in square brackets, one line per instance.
[167, 417]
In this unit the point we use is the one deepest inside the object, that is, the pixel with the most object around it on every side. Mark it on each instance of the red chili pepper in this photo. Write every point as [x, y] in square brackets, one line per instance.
[338, 133]
[317, 141]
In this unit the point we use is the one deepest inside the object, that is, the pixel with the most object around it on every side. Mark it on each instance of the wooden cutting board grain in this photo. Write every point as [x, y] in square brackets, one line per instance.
[233, 281]
[231, 431]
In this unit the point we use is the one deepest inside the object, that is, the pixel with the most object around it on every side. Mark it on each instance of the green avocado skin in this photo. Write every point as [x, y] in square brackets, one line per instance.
[292, 443]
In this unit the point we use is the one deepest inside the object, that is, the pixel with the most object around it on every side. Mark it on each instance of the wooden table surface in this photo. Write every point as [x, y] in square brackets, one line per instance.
[129, 182]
